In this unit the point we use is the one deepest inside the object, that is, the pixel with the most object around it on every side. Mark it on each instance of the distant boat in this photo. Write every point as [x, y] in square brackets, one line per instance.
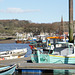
[20, 40]
[8, 70]
[64, 54]
[13, 54]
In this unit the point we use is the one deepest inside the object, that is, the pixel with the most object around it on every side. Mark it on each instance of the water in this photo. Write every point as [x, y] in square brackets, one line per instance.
[11, 46]
[7, 47]
[50, 72]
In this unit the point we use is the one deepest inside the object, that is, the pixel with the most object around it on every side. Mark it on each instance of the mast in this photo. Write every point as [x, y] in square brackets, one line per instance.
[61, 27]
[71, 21]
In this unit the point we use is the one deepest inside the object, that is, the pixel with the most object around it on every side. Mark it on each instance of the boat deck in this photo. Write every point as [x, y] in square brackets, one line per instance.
[24, 63]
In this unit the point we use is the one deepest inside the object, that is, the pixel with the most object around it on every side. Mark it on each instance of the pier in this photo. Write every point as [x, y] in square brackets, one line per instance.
[24, 64]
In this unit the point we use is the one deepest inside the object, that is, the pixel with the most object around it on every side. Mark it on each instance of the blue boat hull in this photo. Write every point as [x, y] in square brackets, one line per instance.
[7, 70]
[48, 58]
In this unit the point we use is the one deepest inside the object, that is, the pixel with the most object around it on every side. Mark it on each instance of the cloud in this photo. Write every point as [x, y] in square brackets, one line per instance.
[18, 10]
[1, 0]
[14, 10]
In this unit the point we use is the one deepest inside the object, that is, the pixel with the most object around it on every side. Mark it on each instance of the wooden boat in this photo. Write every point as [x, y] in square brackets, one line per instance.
[13, 54]
[64, 54]
[7, 70]
[22, 41]
[19, 41]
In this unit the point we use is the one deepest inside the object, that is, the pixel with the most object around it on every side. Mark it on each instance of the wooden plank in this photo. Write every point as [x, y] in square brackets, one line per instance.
[46, 66]
[14, 61]
[23, 64]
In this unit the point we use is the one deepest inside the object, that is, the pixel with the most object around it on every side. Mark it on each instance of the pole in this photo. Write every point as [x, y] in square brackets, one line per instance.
[71, 21]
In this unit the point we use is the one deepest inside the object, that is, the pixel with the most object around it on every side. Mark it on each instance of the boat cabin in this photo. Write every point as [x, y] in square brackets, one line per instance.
[64, 49]
[42, 51]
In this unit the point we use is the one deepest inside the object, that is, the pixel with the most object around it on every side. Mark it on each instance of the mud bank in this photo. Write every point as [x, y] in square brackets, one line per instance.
[8, 41]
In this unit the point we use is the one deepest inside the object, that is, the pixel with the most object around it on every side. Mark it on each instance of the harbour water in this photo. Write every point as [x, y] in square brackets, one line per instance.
[50, 72]
[11, 46]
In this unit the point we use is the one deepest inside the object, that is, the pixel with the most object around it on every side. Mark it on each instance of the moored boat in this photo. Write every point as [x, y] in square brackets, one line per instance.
[8, 70]
[64, 54]
[13, 54]
[19, 41]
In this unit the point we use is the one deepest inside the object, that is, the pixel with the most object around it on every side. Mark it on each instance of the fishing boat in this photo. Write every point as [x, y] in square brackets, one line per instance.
[64, 54]
[13, 54]
[45, 44]
[21, 40]
[8, 70]
[36, 44]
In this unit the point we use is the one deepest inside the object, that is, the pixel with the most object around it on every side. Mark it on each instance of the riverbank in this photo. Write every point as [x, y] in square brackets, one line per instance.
[8, 41]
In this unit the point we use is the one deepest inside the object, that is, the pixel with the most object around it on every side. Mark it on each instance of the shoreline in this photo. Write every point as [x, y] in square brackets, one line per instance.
[7, 41]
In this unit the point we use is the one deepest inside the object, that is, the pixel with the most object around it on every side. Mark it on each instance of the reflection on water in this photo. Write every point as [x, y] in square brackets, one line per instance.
[50, 72]
[64, 72]
[33, 73]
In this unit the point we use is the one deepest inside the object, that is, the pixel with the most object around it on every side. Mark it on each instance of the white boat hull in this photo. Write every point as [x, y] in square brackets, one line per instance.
[13, 54]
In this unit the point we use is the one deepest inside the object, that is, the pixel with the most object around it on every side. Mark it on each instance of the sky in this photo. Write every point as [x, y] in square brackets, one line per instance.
[37, 11]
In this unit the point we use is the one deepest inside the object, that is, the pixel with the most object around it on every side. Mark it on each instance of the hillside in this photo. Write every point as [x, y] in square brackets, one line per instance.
[10, 27]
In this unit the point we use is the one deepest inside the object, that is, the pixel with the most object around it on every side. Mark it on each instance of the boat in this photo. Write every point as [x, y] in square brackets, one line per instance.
[36, 44]
[7, 70]
[13, 54]
[45, 44]
[59, 55]
[21, 40]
